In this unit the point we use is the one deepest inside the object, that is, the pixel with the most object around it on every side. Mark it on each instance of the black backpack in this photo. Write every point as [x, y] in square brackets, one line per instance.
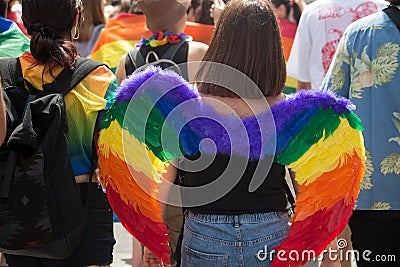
[41, 214]
[135, 62]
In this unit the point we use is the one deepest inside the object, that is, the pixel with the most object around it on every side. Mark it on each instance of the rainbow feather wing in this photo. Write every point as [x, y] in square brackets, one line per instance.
[319, 137]
[132, 158]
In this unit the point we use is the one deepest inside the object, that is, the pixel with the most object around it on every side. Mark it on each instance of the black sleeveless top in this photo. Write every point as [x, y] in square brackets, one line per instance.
[269, 196]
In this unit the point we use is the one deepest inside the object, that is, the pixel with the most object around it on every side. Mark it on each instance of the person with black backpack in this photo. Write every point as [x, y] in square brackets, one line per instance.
[168, 47]
[53, 211]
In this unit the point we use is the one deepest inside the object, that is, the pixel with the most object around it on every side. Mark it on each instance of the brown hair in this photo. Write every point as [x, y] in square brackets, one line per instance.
[50, 23]
[93, 14]
[247, 38]
[394, 2]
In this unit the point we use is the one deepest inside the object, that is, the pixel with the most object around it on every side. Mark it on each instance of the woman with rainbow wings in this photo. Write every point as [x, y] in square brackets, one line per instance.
[236, 204]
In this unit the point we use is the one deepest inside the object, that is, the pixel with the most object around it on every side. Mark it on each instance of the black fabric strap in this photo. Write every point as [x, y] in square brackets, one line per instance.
[134, 58]
[10, 71]
[393, 13]
[67, 79]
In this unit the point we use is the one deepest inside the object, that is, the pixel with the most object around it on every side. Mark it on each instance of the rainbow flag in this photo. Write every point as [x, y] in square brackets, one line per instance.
[122, 33]
[13, 42]
[288, 31]
[118, 37]
[200, 32]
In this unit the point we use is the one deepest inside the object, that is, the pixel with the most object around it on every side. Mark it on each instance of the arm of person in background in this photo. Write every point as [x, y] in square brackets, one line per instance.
[120, 72]
[149, 259]
[303, 85]
[216, 9]
[3, 128]
[301, 4]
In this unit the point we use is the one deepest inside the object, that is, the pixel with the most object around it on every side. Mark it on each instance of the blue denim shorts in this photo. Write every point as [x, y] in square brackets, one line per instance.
[232, 240]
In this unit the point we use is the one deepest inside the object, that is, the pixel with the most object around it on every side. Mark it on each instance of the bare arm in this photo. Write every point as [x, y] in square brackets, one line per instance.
[3, 129]
[196, 53]
[120, 72]
[303, 85]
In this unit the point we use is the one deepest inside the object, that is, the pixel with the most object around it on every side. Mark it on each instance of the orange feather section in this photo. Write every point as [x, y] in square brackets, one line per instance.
[119, 178]
[343, 182]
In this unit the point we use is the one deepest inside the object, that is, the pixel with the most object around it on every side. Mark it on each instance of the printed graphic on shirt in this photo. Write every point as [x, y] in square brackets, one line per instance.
[366, 182]
[381, 206]
[391, 163]
[336, 19]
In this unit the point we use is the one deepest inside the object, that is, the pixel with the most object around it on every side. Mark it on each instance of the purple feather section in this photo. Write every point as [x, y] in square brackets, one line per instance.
[253, 137]
[166, 82]
[295, 104]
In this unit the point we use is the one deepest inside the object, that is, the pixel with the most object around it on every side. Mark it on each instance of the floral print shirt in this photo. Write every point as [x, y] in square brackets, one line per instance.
[366, 70]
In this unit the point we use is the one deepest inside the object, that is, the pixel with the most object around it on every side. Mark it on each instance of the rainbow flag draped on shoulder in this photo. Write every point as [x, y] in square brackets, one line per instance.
[13, 42]
[118, 37]
[122, 33]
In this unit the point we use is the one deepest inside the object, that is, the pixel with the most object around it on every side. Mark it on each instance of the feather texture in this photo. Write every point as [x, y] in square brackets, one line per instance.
[158, 117]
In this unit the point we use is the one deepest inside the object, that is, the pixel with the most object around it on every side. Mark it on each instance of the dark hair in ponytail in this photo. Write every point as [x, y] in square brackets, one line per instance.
[49, 22]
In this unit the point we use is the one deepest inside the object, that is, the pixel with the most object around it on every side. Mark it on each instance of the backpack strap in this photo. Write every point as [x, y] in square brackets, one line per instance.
[67, 79]
[133, 60]
[172, 50]
[393, 13]
[10, 72]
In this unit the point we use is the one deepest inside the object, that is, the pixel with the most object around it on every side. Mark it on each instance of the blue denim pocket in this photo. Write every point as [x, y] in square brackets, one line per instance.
[193, 257]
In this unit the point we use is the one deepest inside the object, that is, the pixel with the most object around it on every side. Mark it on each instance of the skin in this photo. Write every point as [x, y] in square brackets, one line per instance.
[303, 85]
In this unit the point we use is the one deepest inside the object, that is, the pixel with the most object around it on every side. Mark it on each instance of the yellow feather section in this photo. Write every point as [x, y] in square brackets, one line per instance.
[126, 147]
[330, 153]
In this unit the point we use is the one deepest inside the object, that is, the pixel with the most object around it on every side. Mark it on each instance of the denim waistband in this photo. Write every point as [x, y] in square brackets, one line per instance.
[240, 219]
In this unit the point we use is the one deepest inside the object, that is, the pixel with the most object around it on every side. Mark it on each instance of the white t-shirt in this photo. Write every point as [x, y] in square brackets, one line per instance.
[321, 26]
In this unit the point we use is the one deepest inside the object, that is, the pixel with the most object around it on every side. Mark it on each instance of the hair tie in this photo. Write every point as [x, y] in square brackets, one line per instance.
[47, 31]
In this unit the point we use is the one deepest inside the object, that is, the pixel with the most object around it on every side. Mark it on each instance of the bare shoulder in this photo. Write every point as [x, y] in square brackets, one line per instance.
[120, 72]
[197, 51]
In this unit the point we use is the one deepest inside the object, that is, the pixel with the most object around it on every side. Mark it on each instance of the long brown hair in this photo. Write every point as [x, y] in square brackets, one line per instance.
[49, 22]
[247, 38]
[93, 14]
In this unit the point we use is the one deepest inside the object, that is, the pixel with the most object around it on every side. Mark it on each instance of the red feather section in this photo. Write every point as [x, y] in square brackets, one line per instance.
[314, 233]
[151, 234]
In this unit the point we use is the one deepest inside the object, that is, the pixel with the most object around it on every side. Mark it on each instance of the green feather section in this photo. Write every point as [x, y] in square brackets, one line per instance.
[143, 120]
[324, 122]
[354, 121]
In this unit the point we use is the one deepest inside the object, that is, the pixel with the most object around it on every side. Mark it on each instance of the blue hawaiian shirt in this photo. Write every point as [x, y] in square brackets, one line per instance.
[366, 70]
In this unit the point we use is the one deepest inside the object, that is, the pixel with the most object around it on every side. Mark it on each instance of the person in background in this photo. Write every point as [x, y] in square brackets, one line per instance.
[160, 22]
[321, 26]
[119, 36]
[161, 18]
[283, 9]
[199, 12]
[53, 26]
[366, 70]
[91, 27]
[6, 12]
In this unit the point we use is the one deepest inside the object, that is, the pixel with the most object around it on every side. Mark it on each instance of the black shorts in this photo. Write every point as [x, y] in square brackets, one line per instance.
[375, 237]
[96, 246]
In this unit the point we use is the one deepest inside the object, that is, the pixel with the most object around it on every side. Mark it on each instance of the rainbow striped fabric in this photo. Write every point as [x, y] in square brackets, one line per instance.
[13, 42]
[288, 31]
[317, 135]
[118, 37]
[83, 103]
[122, 33]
